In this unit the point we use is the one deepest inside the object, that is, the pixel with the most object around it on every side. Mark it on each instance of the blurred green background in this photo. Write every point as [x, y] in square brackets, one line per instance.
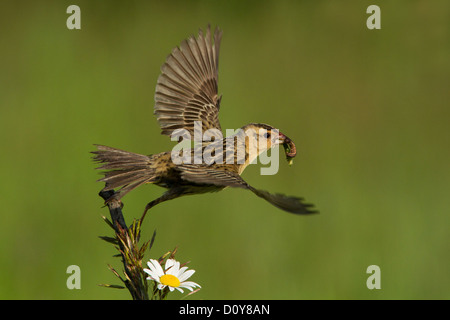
[368, 110]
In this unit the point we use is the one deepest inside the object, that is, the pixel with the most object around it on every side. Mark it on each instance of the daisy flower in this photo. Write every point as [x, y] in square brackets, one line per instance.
[172, 276]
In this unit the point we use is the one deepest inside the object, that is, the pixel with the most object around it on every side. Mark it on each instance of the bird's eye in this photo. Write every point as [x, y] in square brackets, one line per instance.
[267, 135]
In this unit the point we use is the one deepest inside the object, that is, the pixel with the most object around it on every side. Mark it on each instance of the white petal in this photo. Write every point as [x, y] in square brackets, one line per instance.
[171, 288]
[179, 289]
[146, 270]
[150, 265]
[189, 284]
[182, 270]
[187, 287]
[161, 286]
[151, 274]
[174, 269]
[169, 263]
[186, 275]
[177, 267]
[157, 268]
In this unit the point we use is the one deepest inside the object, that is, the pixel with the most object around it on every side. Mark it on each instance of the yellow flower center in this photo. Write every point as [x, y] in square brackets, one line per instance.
[170, 280]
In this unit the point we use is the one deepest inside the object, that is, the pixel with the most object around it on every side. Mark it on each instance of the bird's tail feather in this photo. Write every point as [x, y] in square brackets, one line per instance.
[126, 170]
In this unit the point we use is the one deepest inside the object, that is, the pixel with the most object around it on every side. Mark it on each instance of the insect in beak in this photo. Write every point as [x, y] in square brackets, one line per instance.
[289, 147]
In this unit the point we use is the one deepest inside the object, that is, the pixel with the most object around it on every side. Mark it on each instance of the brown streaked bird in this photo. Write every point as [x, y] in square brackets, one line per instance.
[187, 92]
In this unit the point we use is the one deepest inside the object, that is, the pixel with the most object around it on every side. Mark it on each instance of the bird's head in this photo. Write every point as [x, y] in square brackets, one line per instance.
[262, 137]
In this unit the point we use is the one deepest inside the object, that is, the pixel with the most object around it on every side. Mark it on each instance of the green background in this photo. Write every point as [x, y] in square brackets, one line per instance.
[368, 110]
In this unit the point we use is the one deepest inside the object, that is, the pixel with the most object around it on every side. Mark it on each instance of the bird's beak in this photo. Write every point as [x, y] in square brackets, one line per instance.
[281, 138]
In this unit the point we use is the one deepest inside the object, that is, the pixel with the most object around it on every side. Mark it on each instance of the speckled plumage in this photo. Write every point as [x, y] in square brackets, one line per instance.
[187, 91]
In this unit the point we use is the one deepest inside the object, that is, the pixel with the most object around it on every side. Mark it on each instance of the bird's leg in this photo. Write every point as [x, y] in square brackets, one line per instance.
[151, 205]
[166, 196]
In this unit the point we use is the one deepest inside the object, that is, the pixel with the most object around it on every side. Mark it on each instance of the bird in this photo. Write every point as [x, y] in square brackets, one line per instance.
[187, 102]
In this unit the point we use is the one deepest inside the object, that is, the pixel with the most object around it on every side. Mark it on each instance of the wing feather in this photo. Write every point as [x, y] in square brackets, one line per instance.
[209, 175]
[187, 89]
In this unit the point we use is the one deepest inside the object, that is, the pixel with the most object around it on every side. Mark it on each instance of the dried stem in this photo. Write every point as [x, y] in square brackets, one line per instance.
[126, 241]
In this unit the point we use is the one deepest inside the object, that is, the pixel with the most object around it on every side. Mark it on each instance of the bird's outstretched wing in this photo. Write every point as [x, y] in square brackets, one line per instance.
[186, 90]
[210, 175]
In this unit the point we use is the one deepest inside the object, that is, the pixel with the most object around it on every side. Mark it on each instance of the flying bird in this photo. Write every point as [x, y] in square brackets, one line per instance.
[186, 101]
